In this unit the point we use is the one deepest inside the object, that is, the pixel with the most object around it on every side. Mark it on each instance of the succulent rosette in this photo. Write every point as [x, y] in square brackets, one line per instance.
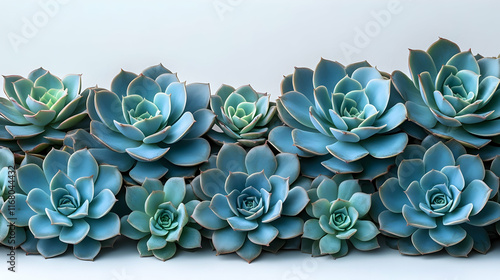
[156, 120]
[244, 116]
[247, 200]
[341, 116]
[161, 218]
[71, 196]
[338, 206]
[451, 94]
[40, 109]
[440, 201]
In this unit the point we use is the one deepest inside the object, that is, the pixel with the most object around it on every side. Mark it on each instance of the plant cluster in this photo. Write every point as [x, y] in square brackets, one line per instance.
[347, 157]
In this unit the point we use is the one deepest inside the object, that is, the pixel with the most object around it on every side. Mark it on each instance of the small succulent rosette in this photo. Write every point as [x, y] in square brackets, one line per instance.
[439, 201]
[40, 109]
[338, 208]
[249, 201]
[451, 94]
[244, 116]
[341, 116]
[161, 218]
[156, 120]
[71, 196]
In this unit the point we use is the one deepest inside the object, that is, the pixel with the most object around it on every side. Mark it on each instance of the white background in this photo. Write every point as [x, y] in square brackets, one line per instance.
[237, 42]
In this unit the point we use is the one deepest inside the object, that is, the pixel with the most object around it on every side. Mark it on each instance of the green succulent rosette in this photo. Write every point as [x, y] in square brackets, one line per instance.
[156, 120]
[161, 218]
[341, 118]
[452, 94]
[40, 109]
[338, 208]
[443, 200]
[244, 116]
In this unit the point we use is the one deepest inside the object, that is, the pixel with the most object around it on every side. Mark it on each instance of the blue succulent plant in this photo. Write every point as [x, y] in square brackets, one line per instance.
[338, 207]
[248, 201]
[161, 218]
[244, 116]
[439, 201]
[341, 116]
[156, 120]
[39, 109]
[71, 196]
[451, 94]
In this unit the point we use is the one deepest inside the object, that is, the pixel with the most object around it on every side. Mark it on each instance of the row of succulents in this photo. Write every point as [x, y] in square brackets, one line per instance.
[347, 157]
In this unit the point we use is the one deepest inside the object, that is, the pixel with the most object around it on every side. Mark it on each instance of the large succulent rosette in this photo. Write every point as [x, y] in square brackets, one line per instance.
[440, 201]
[338, 208]
[248, 202]
[71, 196]
[341, 115]
[40, 109]
[156, 120]
[161, 218]
[452, 94]
[244, 116]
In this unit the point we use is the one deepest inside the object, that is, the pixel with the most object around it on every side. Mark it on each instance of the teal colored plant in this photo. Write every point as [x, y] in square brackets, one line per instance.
[156, 120]
[452, 94]
[338, 209]
[71, 196]
[440, 201]
[244, 116]
[248, 201]
[161, 218]
[40, 109]
[346, 111]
